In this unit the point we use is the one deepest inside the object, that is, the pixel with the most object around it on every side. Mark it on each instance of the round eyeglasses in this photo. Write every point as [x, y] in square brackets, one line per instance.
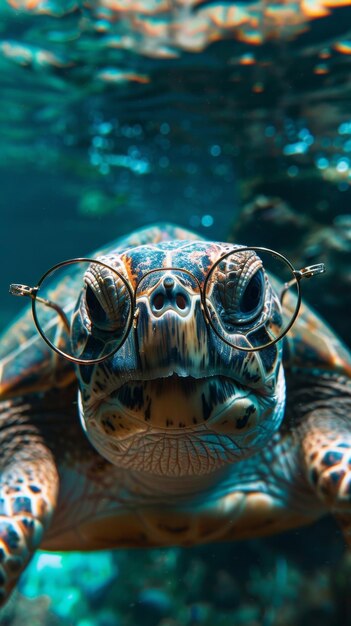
[85, 309]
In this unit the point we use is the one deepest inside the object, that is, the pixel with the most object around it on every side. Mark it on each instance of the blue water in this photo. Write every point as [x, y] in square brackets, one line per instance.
[237, 128]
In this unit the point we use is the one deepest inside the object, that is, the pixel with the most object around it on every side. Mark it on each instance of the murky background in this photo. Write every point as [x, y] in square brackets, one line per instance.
[233, 119]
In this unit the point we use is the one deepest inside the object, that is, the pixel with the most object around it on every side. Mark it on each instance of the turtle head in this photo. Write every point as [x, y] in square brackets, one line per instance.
[179, 397]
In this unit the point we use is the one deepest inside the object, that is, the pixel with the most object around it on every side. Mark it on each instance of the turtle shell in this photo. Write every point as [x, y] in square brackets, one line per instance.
[27, 364]
[312, 346]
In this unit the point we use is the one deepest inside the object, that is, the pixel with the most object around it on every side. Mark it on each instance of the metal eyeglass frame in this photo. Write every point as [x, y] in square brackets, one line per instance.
[32, 292]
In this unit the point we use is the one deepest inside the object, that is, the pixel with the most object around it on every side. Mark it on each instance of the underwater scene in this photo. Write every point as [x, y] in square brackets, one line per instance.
[231, 120]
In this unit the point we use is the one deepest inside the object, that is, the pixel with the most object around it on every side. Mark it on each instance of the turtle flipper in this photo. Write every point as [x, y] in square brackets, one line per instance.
[326, 445]
[28, 491]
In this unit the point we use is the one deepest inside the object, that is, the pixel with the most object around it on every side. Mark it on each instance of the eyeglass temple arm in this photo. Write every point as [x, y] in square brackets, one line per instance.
[31, 292]
[304, 272]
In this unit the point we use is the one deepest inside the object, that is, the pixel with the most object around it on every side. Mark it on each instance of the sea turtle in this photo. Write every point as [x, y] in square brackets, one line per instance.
[178, 437]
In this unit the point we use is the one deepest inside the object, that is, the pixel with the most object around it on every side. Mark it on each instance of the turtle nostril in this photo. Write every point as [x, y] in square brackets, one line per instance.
[181, 301]
[158, 302]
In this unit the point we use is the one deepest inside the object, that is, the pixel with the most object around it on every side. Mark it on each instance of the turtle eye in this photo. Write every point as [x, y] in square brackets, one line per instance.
[96, 312]
[251, 299]
[241, 294]
[106, 302]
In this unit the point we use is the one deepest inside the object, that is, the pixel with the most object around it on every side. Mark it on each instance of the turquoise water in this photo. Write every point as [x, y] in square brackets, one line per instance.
[233, 120]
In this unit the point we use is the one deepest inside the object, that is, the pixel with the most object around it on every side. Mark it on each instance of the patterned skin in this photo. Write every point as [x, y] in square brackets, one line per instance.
[188, 439]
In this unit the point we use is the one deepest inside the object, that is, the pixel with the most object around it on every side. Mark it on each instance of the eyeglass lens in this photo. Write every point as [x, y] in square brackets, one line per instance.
[243, 298]
[86, 324]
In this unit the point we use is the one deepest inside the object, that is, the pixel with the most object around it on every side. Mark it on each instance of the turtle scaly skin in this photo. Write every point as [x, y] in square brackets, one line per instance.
[178, 438]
